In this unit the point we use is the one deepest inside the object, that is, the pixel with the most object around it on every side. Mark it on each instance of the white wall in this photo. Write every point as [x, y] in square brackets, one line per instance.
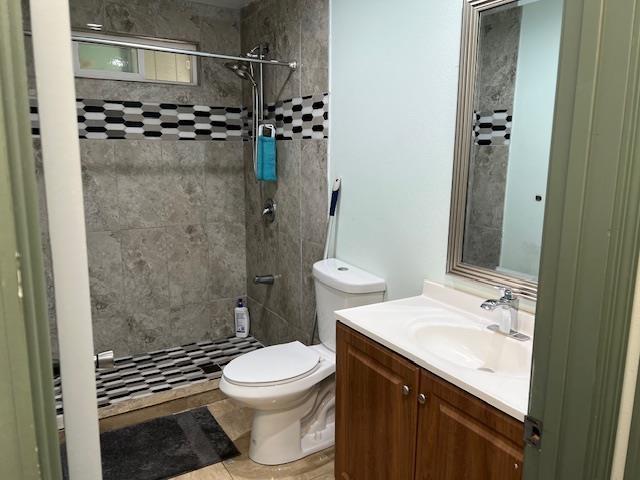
[531, 135]
[394, 80]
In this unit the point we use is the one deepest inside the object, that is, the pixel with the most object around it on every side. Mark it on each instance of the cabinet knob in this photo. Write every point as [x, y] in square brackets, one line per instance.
[406, 390]
[422, 399]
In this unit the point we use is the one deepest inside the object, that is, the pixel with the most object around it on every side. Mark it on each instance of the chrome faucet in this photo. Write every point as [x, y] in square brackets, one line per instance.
[508, 304]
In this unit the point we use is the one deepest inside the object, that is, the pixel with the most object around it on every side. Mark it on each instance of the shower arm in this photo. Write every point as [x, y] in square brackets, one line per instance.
[255, 123]
[261, 91]
[293, 65]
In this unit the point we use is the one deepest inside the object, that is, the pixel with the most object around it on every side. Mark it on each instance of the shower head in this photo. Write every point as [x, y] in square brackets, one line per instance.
[242, 70]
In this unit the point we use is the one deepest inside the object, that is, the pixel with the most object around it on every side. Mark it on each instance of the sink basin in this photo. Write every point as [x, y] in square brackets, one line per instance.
[445, 332]
[473, 347]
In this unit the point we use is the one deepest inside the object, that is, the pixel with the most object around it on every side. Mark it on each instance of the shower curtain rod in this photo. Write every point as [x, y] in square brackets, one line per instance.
[118, 43]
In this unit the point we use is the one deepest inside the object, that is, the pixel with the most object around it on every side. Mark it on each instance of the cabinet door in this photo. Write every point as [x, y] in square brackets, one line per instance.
[462, 437]
[376, 416]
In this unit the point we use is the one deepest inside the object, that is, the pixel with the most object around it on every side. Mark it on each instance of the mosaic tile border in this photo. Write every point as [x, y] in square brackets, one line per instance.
[123, 119]
[145, 374]
[492, 127]
[298, 118]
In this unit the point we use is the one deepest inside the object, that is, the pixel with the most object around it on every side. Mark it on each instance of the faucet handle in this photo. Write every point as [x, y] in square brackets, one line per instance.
[507, 293]
[269, 210]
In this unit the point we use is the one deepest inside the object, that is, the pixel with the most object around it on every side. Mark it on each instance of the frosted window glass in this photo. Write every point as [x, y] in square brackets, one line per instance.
[108, 58]
[150, 66]
[166, 66]
[134, 64]
[183, 68]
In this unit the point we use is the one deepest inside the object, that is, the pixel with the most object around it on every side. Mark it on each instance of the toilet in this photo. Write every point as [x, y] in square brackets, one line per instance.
[291, 386]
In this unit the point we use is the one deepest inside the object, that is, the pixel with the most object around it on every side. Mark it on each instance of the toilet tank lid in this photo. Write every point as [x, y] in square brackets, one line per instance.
[347, 278]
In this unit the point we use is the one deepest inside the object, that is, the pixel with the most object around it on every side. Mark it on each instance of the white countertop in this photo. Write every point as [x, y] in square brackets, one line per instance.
[389, 323]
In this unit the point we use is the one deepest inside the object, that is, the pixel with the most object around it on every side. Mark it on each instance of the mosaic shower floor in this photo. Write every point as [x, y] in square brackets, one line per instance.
[141, 375]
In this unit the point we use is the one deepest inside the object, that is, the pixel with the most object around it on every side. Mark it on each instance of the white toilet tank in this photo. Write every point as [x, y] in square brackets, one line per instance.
[340, 285]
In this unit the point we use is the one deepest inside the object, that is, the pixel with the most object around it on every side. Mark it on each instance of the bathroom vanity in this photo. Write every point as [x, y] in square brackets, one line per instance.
[426, 390]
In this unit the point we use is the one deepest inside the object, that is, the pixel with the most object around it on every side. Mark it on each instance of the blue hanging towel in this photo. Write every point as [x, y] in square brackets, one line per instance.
[266, 161]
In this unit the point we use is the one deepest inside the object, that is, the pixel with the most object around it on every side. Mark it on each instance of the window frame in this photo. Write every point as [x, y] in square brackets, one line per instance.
[138, 76]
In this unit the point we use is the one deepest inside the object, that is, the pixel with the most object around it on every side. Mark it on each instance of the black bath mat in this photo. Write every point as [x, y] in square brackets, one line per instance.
[164, 447]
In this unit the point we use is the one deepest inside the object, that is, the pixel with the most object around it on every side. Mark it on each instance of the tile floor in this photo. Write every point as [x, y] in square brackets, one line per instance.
[236, 422]
[146, 374]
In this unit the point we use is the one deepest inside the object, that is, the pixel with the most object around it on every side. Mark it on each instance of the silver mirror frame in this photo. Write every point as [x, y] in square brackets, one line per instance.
[471, 11]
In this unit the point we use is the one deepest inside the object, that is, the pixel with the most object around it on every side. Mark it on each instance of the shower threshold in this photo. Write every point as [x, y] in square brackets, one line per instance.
[136, 381]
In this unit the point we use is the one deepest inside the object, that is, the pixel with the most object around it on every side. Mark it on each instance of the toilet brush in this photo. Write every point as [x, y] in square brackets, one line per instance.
[335, 193]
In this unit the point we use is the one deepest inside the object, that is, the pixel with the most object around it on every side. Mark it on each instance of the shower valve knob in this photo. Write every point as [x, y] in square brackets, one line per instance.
[269, 210]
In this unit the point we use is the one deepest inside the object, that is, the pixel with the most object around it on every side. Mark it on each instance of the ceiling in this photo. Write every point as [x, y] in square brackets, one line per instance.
[226, 3]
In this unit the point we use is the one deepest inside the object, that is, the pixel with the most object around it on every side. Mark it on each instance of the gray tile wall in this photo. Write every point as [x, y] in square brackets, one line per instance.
[294, 29]
[168, 253]
[166, 241]
[495, 83]
[211, 28]
[165, 219]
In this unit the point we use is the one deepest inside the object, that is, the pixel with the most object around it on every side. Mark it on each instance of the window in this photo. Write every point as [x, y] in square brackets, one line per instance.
[92, 60]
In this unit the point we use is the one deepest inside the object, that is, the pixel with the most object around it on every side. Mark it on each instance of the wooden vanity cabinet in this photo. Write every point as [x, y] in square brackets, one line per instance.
[429, 430]
[376, 410]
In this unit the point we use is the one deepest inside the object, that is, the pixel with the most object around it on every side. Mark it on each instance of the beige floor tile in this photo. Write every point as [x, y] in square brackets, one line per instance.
[234, 419]
[325, 476]
[326, 472]
[212, 472]
[318, 465]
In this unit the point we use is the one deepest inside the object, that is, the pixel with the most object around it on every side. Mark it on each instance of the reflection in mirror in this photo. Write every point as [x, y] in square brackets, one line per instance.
[511, 122]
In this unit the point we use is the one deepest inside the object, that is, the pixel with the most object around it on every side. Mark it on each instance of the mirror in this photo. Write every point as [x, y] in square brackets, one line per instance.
[508, 73]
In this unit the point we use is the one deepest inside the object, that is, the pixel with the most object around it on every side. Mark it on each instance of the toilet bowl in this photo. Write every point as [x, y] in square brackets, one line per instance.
[291, 386]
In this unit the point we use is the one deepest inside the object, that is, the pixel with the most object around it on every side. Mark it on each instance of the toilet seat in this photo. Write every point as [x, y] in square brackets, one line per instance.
[274, 365]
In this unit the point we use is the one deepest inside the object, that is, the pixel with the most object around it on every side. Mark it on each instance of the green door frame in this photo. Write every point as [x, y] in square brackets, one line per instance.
[632, 464]
[632, 467]
[28, 437]
[591, 243]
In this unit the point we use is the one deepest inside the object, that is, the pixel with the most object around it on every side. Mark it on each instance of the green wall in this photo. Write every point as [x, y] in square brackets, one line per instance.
[394, 80]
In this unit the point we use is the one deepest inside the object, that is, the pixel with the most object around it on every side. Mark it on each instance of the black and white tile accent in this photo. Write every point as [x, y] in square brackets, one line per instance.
[131, 120]
[299, 118]
[145, 374]
[492, 128]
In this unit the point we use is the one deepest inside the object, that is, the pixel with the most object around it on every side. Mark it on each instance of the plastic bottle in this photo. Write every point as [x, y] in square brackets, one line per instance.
[241, 314]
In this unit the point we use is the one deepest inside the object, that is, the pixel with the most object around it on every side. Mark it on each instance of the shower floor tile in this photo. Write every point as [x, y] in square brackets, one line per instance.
[160, 370]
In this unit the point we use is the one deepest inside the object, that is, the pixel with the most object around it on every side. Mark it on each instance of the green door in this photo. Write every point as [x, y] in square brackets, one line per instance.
[590, 243]
[28, 434]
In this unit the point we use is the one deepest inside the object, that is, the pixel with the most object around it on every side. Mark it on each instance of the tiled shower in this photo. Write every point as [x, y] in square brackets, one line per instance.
[173, 212]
